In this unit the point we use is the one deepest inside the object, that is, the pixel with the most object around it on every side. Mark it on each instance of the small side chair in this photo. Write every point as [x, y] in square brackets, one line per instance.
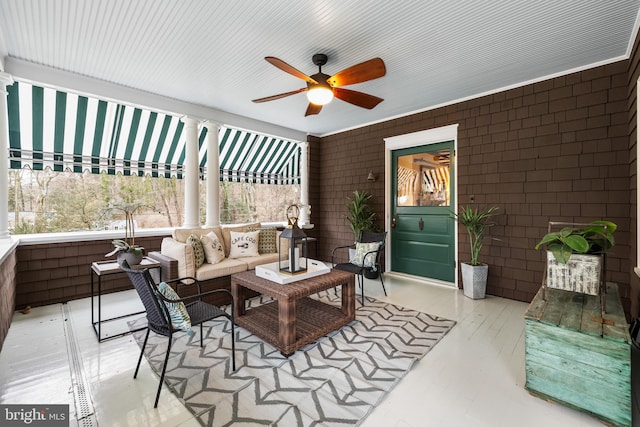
[159, 318]
[360, 269]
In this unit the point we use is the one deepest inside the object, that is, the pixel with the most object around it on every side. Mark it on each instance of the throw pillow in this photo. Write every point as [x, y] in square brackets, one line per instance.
[213, 250]
[361, 251]
[177, 310]
[226, 234]
[266, 240]
[198, 251]
[244, 244]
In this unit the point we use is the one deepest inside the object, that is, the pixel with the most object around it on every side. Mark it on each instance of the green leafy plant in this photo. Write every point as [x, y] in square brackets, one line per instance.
[128, 243]
[123, 246]
[592, 239]
[476, 221]
[360, 217]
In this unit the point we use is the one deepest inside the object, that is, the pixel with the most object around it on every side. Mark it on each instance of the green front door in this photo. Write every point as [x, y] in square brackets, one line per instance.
[422, 229]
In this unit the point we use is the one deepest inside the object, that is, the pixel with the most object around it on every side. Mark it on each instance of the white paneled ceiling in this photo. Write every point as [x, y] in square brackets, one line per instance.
[211, 53]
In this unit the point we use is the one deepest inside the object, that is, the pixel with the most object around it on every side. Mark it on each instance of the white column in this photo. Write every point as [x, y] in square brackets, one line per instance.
[5, 80]
[191, 175]
[305, 210]
[213, 173]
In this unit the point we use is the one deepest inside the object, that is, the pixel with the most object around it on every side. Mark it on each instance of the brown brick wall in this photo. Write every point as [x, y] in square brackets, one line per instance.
[7, 294]
[314, 184]
[345, 163]
[557, 150]
[634, 74]
[58, 272]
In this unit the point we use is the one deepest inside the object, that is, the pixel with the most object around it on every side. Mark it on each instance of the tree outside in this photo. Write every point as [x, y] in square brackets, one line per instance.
[45, 201]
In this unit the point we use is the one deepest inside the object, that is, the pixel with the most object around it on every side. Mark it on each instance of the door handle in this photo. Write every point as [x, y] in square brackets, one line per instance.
[393, 222]
[421, 224]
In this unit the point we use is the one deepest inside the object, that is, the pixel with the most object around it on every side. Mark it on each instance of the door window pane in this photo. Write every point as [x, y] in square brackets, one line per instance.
[423, 179]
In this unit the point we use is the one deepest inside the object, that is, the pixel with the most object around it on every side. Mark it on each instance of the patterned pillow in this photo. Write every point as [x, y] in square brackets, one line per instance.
[213, 250]
[198, 251]
[177, 310]
[266, 240]
[244, 244]
[361, 251]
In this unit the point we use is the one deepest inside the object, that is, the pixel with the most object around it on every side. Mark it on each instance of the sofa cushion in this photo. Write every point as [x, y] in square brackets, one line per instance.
[213, 249]
[252, 262]
[226, 234]
[244, 244]
[363, 249]
[225, 267]
[266, 240]
[181, 252]
[182, 234]
[198, 249]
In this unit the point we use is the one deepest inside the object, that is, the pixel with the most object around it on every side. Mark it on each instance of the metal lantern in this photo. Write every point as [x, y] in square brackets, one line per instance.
[292, 244]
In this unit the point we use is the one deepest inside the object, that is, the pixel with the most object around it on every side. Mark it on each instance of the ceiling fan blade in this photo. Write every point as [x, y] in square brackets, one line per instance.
[282, 95]
[279, 63]
[365, 71]
[360, 99]
[313, 109]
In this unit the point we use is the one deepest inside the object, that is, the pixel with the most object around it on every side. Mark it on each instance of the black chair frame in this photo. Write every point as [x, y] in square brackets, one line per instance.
[159, 320]
[366, 236]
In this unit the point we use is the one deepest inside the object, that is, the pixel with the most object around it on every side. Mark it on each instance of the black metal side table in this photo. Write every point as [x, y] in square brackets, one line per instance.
[104, 268]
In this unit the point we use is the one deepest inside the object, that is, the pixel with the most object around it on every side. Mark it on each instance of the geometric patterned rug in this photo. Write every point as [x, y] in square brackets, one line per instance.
[336, 380]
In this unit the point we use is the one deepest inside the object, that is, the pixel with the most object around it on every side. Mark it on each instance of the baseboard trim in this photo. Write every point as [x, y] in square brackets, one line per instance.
[419, 279]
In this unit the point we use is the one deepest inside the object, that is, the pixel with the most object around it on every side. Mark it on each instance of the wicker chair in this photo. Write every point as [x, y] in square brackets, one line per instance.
[360, 270]
[159, 321]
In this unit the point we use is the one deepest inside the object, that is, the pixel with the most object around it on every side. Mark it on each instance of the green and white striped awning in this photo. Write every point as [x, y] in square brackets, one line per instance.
[62, 131]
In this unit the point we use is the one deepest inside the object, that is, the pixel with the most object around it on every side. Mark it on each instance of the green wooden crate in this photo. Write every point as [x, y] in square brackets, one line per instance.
[579, 356]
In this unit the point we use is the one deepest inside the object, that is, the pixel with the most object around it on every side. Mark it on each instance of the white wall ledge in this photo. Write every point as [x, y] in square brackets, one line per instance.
[85, 236]
[7, 246]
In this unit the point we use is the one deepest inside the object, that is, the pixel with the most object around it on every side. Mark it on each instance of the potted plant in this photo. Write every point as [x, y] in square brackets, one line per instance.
[361, 217]
[592, 239]
[574, 259]
[126, 249]
[474, 273]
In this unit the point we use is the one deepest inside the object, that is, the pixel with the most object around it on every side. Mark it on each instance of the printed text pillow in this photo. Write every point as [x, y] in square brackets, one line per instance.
[213, 250]
[244, 244]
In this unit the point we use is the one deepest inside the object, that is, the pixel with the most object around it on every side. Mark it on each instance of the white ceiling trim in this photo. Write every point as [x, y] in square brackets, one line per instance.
[634, 35]
[3, 51]
[480, 95]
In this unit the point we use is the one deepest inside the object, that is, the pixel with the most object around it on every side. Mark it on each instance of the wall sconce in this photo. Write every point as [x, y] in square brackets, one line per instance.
[371, 177]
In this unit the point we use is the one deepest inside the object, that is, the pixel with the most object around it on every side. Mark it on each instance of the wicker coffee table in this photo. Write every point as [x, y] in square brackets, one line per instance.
[293, 319]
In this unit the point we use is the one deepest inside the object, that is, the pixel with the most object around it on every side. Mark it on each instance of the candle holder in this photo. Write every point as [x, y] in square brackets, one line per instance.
[292, 242]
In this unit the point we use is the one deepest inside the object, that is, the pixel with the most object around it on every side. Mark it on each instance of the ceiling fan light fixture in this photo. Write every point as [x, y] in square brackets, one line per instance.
[322, 88]
[320, 95]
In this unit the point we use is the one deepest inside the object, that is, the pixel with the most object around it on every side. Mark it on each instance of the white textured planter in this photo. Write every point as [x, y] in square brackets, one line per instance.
[474, 280]
[580, 274]
[130, 257]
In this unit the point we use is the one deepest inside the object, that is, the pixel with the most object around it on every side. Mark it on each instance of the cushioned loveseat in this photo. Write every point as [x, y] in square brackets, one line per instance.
[212, 255]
